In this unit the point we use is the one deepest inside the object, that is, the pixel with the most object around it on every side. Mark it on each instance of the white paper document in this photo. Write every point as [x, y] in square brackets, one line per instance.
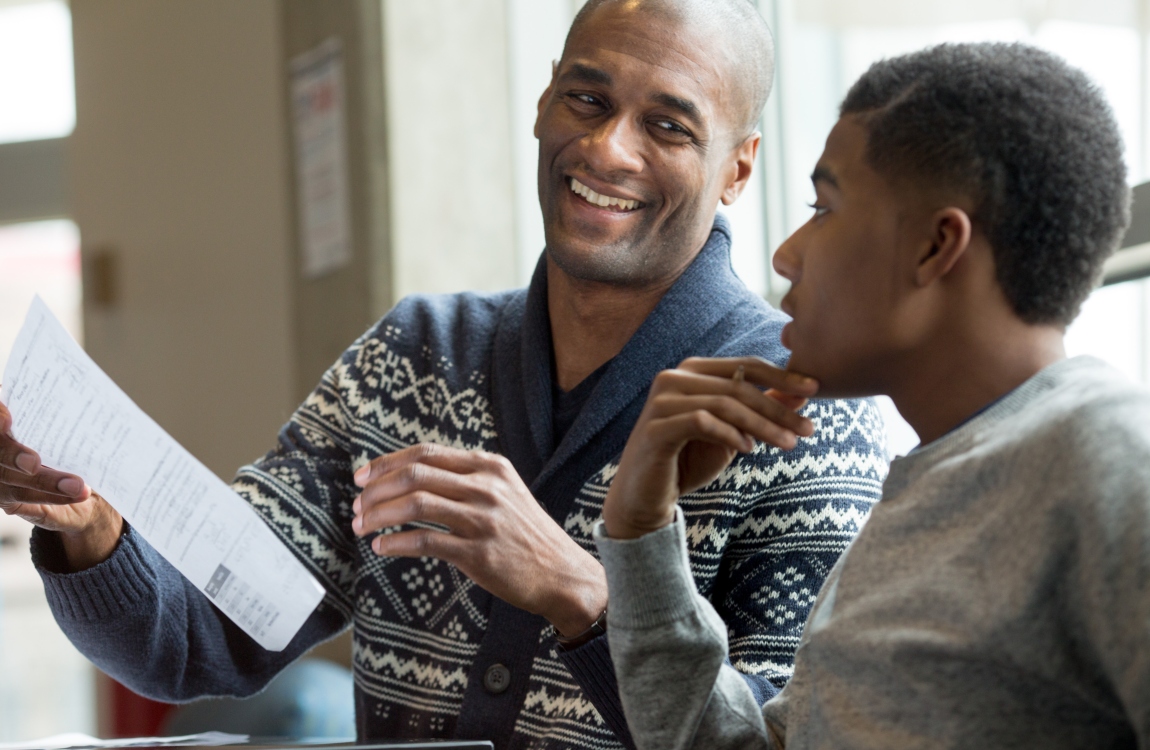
[64, 407]
[77, 741]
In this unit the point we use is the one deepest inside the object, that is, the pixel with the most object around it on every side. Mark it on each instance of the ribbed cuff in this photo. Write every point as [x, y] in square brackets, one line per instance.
[591, 666]
[649, 578]
[101, 592]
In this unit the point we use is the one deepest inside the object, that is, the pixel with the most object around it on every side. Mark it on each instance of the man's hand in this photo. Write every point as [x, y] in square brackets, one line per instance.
[499, 536]
[89, 528]
[697, 418]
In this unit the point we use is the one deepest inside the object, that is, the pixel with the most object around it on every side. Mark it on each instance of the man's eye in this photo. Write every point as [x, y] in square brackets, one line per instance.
[587, 99]
[819, 209]
[671, 127]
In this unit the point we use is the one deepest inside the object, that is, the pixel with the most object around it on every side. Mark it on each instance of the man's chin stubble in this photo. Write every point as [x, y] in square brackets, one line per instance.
[609, 265]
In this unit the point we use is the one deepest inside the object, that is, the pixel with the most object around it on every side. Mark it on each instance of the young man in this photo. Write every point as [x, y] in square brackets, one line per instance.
[999, 594]
[501, 417]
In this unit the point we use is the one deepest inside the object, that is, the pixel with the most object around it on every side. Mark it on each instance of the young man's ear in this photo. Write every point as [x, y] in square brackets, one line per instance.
[744, 164]
[950, 237]
[546, 97]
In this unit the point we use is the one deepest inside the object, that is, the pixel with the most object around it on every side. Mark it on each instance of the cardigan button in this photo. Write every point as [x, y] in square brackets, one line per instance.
[496, 679]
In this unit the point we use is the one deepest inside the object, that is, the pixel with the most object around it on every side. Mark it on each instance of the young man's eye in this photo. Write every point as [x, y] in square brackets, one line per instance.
[819, 209]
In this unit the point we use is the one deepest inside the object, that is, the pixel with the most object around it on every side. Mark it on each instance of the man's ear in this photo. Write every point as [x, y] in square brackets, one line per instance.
[546, 97]
[950, 237]
[744, 163]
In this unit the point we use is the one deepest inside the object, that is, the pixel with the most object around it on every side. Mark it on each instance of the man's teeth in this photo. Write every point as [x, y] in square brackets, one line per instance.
[603, 201]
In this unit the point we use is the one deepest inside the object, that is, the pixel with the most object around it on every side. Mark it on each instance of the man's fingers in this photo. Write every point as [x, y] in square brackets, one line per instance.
[780, 430]
[414, 477]
[66, 488]
[10, 495]
[755, 370]
[441, 456]
[416, 506]
[5, 421]
[422, 543]
[15, 456]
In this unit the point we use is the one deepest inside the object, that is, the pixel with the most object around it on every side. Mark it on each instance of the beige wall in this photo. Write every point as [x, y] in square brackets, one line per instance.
[332, 311]
[179, 170]
[182, 173]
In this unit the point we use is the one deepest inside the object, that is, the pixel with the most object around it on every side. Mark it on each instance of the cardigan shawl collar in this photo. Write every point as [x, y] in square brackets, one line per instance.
[706, 292]
[521, 398]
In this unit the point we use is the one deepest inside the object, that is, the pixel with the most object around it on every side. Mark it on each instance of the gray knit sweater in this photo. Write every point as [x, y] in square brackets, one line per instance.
[999, 596]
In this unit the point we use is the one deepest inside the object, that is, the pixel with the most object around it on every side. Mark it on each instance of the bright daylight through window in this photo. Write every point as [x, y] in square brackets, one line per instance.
[46, 686]
[824, 45]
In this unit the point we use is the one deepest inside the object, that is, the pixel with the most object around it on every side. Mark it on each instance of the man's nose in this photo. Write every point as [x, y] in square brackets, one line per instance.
[614, 146]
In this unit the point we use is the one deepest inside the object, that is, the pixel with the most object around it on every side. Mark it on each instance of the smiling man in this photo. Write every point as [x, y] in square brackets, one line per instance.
[443, 478]
[999, 594]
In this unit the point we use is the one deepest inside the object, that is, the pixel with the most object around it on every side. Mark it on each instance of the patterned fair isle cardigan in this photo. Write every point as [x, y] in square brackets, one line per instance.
[474, 371]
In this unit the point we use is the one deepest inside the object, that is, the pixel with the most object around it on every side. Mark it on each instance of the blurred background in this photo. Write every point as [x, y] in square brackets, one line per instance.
[217, 197]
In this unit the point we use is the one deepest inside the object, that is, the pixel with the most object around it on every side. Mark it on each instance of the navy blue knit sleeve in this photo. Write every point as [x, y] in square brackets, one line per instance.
[591, 666]
[140, 621]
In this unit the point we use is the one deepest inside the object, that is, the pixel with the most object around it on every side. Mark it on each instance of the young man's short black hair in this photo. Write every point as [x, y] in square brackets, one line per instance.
[1025, 136]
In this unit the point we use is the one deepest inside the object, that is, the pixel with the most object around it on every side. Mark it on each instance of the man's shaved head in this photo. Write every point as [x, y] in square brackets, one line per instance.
[734, 25]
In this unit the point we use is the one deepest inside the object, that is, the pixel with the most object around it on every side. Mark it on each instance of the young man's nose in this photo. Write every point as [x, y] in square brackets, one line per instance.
[614, 146]
[786, 260]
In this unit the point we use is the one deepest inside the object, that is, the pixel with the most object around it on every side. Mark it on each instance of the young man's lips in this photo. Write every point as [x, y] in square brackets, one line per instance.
[604, 200]
[786, 306]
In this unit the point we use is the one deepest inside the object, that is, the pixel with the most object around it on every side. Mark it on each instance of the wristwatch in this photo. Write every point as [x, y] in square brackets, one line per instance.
[597, 628]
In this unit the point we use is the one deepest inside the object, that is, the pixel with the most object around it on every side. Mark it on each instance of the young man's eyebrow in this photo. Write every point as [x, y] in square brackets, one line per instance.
[822, 174]
[587, 74]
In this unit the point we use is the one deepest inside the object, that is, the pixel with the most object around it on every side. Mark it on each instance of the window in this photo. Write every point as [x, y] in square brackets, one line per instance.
[824, 45]
[38, 255]
[36, 660]
[36, 88]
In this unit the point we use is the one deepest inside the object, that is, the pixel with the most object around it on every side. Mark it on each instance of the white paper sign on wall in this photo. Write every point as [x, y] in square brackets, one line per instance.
[319, 119]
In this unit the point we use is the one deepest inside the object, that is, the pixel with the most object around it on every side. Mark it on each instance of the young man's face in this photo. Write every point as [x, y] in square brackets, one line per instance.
[850, 267]
[639, 112]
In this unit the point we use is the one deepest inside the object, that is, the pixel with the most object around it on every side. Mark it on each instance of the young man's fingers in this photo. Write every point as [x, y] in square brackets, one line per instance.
[441, 456]
[679, 429]
[782, 432]
[790, 401]
[66, 487]
[755, 371]
[769, 407]
[768, 402]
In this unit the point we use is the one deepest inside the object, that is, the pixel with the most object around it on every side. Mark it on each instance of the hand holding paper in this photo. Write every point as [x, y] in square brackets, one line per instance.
[61, 403]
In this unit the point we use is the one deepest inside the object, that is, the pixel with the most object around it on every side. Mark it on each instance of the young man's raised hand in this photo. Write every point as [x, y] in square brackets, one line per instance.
[697, 418]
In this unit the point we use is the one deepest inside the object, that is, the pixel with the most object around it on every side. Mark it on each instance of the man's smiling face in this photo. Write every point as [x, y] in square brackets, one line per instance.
[635, 140]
